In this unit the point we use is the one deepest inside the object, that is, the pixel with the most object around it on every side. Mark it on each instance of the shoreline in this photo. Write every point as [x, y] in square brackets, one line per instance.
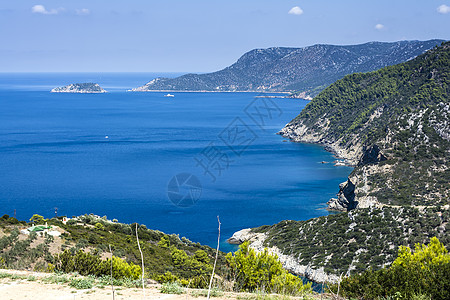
[256, 240]
[204, 91]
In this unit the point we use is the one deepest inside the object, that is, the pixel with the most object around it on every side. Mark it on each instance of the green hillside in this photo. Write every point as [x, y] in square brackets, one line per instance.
[393, 124]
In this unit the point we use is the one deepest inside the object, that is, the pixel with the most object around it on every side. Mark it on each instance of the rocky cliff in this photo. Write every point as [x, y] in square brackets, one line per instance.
[305, 71]
[393, 125]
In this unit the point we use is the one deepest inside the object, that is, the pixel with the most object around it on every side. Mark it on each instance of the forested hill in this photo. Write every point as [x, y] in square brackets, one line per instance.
[307, 70]
[394, 125]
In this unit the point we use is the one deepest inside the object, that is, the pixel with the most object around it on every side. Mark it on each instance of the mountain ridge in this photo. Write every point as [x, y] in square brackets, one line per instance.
[282, 69]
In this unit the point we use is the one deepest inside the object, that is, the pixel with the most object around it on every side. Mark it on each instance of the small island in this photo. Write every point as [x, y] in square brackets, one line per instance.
[82, 88]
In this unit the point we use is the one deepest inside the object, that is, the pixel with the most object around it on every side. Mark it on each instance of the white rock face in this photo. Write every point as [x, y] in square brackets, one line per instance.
[303, 134]
[289, 262]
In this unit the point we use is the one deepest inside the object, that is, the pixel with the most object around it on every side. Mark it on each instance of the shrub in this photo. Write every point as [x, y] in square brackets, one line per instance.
[253, 271]
[172, 288]
[89, 264]
[423, 273]
[82, 283]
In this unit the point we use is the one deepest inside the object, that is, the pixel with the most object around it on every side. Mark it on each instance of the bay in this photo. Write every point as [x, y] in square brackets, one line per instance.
[114, 154]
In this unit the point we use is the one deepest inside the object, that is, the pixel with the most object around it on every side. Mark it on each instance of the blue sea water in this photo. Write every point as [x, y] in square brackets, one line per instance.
[114, 154]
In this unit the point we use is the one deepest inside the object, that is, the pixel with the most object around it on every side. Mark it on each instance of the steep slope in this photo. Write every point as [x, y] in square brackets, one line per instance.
[308, 69]
[393, 125]
[350, 242]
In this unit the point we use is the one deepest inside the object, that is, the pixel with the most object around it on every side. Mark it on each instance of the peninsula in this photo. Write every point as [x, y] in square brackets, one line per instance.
[304, 72]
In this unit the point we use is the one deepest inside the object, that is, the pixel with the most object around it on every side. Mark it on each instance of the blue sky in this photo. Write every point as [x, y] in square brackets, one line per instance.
[196, 35]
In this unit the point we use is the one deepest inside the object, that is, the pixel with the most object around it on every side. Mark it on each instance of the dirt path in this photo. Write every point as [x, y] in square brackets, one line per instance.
[20, 289]
[17, 285]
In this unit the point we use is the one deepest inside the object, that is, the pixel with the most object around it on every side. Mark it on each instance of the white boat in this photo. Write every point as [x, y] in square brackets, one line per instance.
[169, 95]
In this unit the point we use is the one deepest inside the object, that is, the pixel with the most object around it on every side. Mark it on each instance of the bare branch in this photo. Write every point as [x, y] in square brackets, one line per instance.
[142, 259]
[215, 260]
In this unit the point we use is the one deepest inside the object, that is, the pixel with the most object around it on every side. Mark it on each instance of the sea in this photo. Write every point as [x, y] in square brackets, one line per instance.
[176, 164]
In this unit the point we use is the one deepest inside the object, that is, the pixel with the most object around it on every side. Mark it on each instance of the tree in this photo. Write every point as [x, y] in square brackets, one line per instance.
[252, 271]
[424, 272]
[37, 218]
[424, 257]
[99, 226]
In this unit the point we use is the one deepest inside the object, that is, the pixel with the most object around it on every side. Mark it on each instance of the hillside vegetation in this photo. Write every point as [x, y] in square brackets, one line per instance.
[354, 241]
[306, 70]
[394, 125]
[84, 248]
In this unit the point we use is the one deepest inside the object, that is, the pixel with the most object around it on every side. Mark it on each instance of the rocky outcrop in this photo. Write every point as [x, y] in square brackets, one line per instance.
[371, 155]
[245, 235]
[299, 132]
[346, 198]
[80, 88]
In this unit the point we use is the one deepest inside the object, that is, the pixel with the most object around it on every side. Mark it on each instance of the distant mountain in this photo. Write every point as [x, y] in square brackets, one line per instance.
[307, 70]
[83, 88]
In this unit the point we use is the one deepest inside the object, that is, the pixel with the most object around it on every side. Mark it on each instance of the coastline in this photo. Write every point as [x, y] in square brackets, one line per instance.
[256, 240]
[289, 262]
[202, 91]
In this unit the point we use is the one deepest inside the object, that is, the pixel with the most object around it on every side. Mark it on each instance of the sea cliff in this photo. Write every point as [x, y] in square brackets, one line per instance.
[393, 126]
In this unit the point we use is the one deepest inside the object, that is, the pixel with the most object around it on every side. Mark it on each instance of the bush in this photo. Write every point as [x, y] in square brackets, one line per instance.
[89, 264]
[253, 271]
[82, 283]
[172, 288]
[423, 273]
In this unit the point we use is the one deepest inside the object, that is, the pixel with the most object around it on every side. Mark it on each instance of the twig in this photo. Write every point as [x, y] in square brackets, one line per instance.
[215, 260]
[142, 259]
[112, 285]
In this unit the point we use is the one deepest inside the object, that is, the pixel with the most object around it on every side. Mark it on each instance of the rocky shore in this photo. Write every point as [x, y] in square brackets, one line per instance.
[348, 197]
[289, 262]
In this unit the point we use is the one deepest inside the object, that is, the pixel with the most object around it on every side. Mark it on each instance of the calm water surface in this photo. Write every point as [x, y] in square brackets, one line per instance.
[114, 154]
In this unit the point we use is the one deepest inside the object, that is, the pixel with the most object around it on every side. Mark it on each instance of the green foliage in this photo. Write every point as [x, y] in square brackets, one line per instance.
[164, 242]
[251, 271]
[166, 278]
[425, 256]
[56, 279]
[192, 270]
[88, 264]
[157, 247]
[172, 288]
[189, 262]
[99, 226]
[358, 239]
[37, 219]
[82, 283]
[18, 254]
[402, 109]
[426, 273]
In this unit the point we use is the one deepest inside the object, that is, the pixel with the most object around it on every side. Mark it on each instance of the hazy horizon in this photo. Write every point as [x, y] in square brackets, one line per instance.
[198, 36]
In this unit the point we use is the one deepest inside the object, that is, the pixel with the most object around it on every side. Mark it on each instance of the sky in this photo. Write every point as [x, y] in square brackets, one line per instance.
[196, 35]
